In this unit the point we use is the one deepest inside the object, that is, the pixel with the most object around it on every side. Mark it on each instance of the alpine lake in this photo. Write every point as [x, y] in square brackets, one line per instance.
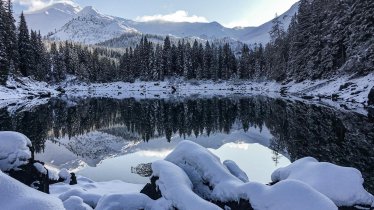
[117, 139]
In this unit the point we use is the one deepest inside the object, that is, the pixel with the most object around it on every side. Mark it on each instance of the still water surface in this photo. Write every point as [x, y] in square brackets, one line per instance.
[105, 139]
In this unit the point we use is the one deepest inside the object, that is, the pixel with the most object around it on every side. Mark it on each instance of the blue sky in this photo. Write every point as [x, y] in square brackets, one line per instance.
[229, 13]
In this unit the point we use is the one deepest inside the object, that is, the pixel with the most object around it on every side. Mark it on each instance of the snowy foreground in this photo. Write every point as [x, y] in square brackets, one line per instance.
[25, 92]
[190, 177]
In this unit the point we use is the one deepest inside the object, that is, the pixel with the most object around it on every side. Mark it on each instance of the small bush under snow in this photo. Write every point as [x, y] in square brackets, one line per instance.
[14, 150]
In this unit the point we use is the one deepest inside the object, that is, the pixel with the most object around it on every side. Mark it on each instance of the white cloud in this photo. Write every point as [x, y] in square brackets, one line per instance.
[33, 5]
[178, 16]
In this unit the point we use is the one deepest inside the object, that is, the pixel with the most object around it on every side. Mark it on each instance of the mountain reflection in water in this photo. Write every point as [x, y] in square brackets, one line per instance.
[296, 129]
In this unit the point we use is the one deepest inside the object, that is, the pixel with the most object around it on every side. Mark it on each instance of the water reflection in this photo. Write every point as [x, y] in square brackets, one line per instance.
[291, 128]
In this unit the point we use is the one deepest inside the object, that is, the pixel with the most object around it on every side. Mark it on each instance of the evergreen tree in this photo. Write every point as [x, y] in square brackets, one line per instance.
[24, 48]
[4, 71]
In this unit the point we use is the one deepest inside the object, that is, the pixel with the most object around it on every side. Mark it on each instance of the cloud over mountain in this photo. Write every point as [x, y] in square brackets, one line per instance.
[178, 16]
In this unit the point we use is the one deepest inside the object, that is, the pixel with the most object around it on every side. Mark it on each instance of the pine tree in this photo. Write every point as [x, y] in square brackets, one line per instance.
[10, 39]
[4, 70]
[166, 57]
[24, 48]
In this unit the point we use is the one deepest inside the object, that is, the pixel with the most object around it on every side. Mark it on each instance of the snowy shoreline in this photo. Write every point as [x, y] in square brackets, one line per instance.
[343, 92]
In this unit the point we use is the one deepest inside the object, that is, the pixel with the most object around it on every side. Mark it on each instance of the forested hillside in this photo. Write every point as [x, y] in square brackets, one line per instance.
[325, 38]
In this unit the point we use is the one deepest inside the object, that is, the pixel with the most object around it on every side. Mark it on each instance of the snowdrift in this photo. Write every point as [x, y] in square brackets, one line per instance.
[14, 150]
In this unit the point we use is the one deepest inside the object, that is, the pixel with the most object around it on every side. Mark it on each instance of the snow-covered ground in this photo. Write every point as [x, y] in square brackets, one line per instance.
[192, 177]
[352, 92]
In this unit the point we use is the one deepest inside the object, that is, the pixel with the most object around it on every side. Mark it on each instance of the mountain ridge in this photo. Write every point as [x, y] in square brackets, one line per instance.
[63, 21]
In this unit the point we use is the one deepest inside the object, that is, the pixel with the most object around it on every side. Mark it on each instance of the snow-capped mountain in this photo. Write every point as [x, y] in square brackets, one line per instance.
[90, 26]
[52, 18]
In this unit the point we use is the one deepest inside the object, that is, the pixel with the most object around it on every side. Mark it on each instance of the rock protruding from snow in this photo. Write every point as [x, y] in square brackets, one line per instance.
[235, 170]
[14, 150]
[342, 185]
[371, 97]
[14, 196]
[175, 186]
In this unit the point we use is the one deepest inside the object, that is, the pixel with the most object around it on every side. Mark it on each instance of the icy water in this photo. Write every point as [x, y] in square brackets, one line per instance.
[107, 139]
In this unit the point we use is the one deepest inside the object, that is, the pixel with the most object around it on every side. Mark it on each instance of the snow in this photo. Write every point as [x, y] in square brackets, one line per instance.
[90, 27]
[235, 170]
[342, 185]
[175, 186]
[52, 17]
[15, 195]
[201, 167]
[289, 194]
[89, 198]
[23, 93]
[14, 150]
[40, 168]
[76, 203]
[65, 174]
[91, 192]
[125, 202]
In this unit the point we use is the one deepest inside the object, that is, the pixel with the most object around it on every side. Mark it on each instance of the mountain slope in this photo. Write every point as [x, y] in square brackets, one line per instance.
[51, 18]
[91, 27]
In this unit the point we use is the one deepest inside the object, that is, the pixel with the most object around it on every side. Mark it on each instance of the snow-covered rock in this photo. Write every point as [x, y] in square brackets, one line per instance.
[342, 185]
[175, 186]
[76, 203]
[201, 166]
[40, 168]
[371, 97]
[65, 175]
[14, 150]
[212, 180]
[289, 194]
[15, 196]
[235, 170]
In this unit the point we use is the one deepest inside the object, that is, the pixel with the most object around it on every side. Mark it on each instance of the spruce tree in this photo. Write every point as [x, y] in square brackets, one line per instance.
[24, 48]
[4, 71]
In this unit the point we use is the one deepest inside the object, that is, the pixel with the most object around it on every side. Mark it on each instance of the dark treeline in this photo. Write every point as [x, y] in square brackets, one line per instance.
[296, 127]
[324, 38]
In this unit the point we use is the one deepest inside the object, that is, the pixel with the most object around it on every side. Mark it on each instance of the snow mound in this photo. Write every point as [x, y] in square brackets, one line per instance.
[90, 192]
[14, 196]
[76, 203]
[14, 150]
[175, 186]
[201, 165]
[343, 185]
[89, 198]
[235, 170]
[213, 181]
[288, 194]
[125, 202]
